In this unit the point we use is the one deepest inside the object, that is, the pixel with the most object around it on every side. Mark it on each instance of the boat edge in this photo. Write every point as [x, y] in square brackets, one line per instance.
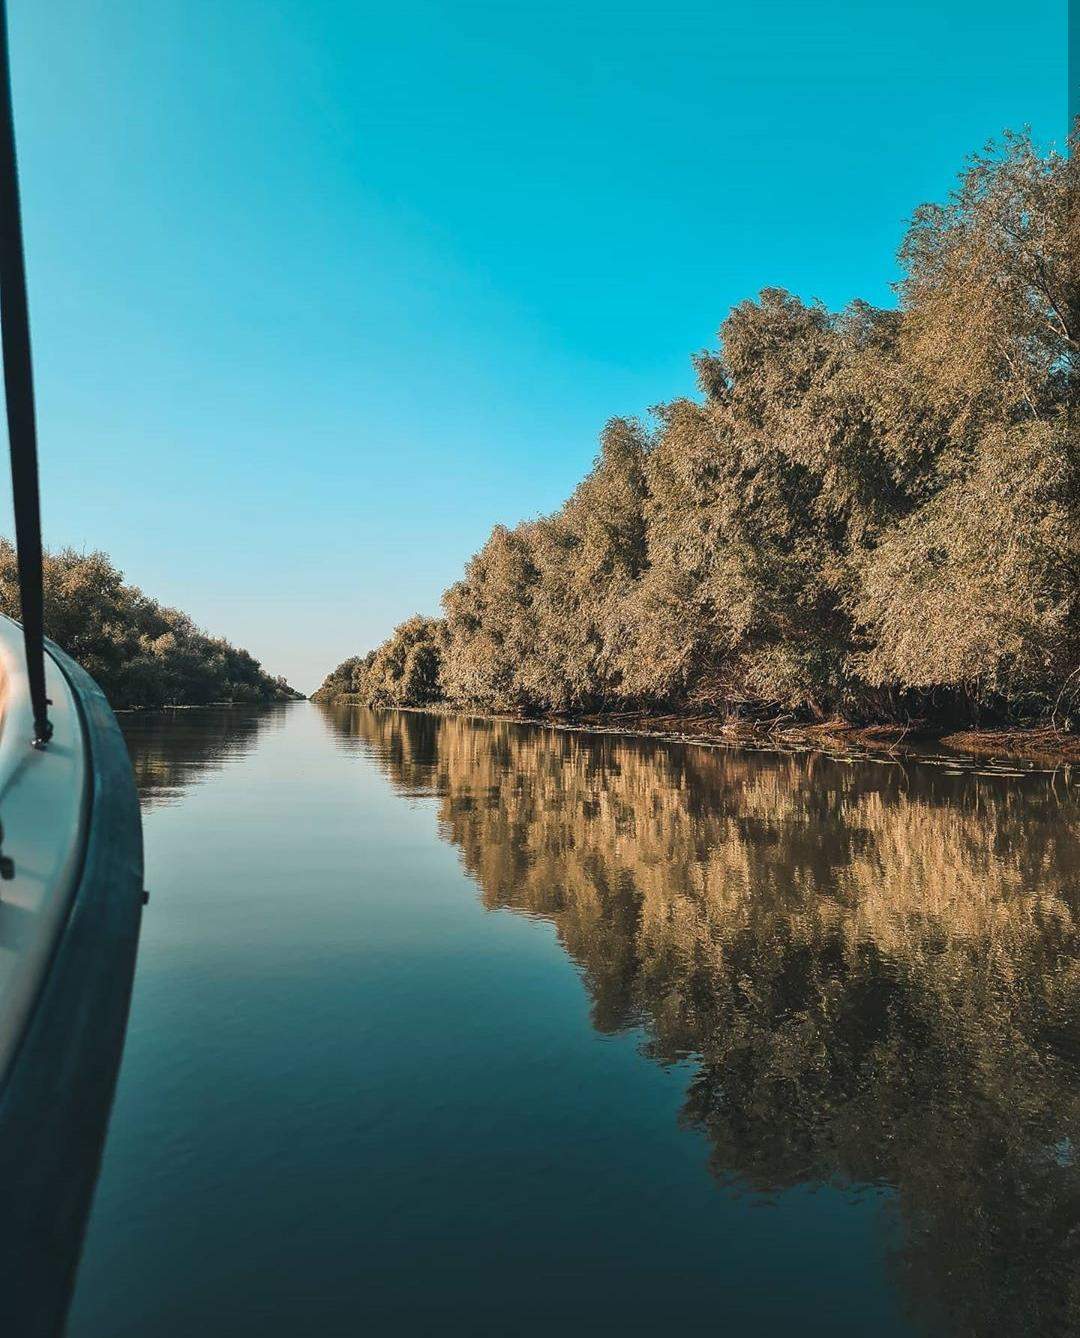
[56, 1100]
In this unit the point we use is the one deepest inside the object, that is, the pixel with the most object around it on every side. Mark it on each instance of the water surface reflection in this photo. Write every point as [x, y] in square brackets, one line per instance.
[171, 749]
[874, 966]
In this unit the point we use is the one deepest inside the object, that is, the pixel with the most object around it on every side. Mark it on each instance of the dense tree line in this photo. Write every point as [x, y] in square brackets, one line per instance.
[874, 512]
[140, 653]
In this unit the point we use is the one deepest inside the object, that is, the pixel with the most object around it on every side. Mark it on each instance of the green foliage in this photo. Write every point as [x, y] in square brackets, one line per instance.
[977, 590]
[535, 623]
[404, 671]
[140, 653]
[872, 512]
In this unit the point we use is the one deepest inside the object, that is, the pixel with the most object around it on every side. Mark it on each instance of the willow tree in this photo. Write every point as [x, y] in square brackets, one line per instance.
[874, 512]
[978, 591]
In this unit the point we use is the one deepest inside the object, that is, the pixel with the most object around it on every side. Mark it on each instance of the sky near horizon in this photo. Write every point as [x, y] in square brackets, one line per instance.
[320, 291]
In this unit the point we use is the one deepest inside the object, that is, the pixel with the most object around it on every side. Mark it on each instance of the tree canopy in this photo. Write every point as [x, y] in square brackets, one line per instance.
[140, 652]
[872, 512]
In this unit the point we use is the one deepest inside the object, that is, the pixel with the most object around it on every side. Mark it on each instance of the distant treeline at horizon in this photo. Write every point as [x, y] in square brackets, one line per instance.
[140, 652]
[873, 513]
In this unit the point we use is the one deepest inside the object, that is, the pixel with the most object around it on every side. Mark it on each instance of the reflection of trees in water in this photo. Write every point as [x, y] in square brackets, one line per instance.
[170, 750]
[877, 965]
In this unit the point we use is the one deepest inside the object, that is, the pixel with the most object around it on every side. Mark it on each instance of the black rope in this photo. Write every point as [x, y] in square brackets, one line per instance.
[19, 388]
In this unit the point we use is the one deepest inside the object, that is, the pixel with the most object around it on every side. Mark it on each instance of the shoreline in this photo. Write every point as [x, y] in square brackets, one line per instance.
[203, 706]
[1040, 747]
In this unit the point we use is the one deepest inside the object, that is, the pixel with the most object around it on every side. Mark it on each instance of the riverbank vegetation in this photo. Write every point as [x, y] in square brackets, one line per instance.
[871, 514]
[140, 652]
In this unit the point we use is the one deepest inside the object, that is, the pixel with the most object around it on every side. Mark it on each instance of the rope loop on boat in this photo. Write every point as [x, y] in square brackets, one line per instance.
[19, 391]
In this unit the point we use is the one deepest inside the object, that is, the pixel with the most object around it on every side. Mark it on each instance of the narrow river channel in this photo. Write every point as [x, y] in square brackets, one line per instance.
[459, 1027]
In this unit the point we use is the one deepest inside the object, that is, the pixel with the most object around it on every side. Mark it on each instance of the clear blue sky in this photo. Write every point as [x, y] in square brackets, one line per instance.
[322, 290]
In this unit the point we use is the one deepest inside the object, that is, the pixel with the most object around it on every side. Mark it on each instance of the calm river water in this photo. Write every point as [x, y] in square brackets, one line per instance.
[458, 1027]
